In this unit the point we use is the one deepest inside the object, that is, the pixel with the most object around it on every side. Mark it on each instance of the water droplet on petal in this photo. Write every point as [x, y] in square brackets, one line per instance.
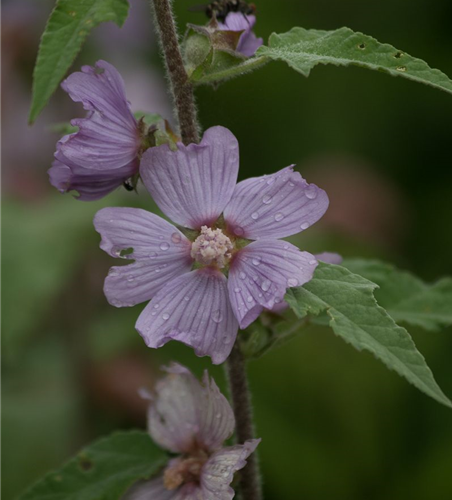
[256, 261]
[254, 215]
[156, 306]
[164, 246]
[238, 231]
[313, 261]
[311, 192]
[153, 255]
[278, 300]
[266, 284]
[304, 225]
[270, 181]
[186, 298]
[292, 282]
[249, 298]
[237, 290]
[176, 238]
[217, 316]
[242, 275]
[267, 199]
[279, 216]
[165, 316]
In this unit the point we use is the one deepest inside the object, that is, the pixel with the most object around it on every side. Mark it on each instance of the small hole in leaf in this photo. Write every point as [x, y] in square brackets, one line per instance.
[85, 463]
[398, 55]
[362, 46]
[401, 68]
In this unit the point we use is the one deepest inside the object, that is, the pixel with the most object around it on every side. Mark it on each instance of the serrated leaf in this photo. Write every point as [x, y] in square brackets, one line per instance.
[303, 49]
[407, 298]
[103, 470]
[356, 317]
[66, 30]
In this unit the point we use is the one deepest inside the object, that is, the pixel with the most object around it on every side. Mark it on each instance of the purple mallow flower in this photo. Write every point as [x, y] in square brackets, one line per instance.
[103, 153]
[196, 187]
[248, 42]
[192, 419]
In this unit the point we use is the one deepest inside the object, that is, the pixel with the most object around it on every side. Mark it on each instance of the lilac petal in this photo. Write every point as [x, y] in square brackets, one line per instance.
[248, 44]
[218, 471]
[91, 185]
[236, 21]
[329, 257]
[193, 184]
[161, 252]
[108, 140]
[275, 206]
[194, 309]
[261, 273]
[186, 413]
[150, 490]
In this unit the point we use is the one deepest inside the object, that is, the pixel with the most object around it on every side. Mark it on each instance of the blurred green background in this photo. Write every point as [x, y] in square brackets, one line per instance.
[335, 423]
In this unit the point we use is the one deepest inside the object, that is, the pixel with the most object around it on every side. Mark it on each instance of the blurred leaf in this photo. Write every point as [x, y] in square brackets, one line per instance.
[148, 118]
[356, 317]
[303, 49]
[103, 470]
[406, 297]
[66, 30]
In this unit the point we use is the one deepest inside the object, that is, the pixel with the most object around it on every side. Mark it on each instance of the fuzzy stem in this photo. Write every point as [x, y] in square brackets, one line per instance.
[250, 484]
[181, 87]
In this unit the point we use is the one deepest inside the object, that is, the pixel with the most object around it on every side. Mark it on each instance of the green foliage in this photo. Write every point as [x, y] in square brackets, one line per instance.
[355, 316]
[303, 49]
[66, 30]
[103, 470]
[406, 298]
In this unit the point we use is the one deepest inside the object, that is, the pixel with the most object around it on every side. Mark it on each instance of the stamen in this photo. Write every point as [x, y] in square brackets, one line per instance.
[212, 246]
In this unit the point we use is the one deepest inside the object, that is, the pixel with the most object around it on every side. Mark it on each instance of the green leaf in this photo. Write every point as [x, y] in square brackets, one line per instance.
[103, 470]
[355, 316]
[148, 118]
[66, 30]
[303, 49]
[63, 128]
[406, 298]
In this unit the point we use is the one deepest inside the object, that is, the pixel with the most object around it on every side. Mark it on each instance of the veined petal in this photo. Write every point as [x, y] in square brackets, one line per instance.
[274, 206]
[261, 273]
[101, 88]
[161, 252]
[150, 490]
[194, 309]
[218, 471]
[90, 184]
[193, 184]
[186, 414]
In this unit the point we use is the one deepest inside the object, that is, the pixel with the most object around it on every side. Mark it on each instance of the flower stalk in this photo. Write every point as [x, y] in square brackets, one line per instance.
[180, 85]
[250, 481]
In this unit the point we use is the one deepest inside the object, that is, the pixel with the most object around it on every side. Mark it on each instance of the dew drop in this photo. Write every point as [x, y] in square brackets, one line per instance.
[217, 316]
[304, 225]
[237, 290]
[270, 181]
[256, 261]
[156, 306]
[153, 255]
[249, 298]
[164, 246]
[278, 300]
[242, 275]
[267, 199]
[165, 316]
[313, 261]
[311, 193]
[238, 231]
[153, 313]
[186, 298]
[266, 284]
[279, 216]
[254, 215]
[292, 282]
[176, 238]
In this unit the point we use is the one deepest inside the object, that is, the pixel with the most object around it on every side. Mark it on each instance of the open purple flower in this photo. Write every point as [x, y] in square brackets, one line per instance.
[196, 187]
[103, 153]
[248, 42]
[193, 420]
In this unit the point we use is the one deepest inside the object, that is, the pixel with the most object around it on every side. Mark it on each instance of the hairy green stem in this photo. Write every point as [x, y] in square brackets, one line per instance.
[180, 85]
[250, 484]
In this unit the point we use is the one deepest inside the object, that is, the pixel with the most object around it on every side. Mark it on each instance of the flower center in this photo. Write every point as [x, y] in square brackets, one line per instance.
[212, 246]
[184, 470]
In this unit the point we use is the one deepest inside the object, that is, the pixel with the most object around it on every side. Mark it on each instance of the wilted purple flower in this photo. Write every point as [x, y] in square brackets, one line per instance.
[193, 420]
[194, 186]
[103, 153]
[248, 42]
